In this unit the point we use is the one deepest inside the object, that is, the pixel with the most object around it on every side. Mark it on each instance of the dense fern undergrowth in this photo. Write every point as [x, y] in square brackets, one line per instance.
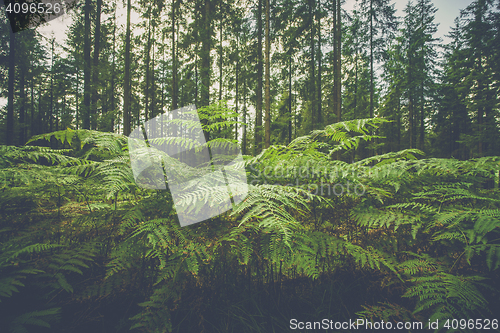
[83, 249]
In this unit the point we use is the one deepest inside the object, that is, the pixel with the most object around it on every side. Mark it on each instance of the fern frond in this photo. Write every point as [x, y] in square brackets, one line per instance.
[446, 293]
[40, 318]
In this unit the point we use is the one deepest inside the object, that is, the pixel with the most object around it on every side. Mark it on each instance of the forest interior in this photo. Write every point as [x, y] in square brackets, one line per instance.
[368, 144]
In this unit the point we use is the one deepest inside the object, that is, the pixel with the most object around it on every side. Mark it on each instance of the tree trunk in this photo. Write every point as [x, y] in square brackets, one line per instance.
[51, 109]
[480, 110]
[148, 60]
[422, 99]
[77, 97]
[422, 118]
[32, 109]
[290, 96]
[220, 54]
[244, 139]
[86, 68]
[174, 62]
[258, 93]
[126, 78]
[237, 85]
[338, 72]
[399, 122]
[410, 102]
[95, 70]
[335, 83]
[9, 140]
[22, 107]
[355, 109]
[152, 114]
[162, 104]
[205, 54]
[112, 83]
[319, 114]
[40, 112]
[196, 76]
[371, 59]
[268, 70]
[206, 36]
[312, 66]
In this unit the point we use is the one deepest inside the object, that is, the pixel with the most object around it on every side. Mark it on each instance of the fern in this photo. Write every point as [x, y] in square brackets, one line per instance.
[40, 318]
[267, 204]
[447, 296]
[423, 228]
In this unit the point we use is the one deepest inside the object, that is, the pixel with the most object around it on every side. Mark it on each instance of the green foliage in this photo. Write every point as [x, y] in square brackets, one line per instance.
[34, 318]
[78, 230]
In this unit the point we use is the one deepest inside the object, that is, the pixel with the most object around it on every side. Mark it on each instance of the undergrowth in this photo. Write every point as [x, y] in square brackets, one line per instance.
[84, 249]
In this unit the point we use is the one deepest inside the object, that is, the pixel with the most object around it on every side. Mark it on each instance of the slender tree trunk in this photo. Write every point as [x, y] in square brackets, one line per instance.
[59, 113]
[258, 93]
[237, 70]
[196, 58]
[9, 140]
[206, 35]
[205, 54]
[162, 110]
[126, 77]
[422, 118]
[338, 72]
[112, 83]
[422, 99]
[480, 98]
[295, 115]
[220, 53]
[312, 66]
[40, 112]
[95, 64]
[335, 83]
[86, 69]
[196, 75]
[319, 114]
[174, 61]
[56, 117]
[22, 107]
[480, 84]
[268, 71]
[410, 102]
[148, 60]
[77, 97]
[355, 109]
[51, 109]
[399, 123]
[153, 81]
[244, 140]
[63, 110]
[290, 96]
[371, 59]
[32, 109]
